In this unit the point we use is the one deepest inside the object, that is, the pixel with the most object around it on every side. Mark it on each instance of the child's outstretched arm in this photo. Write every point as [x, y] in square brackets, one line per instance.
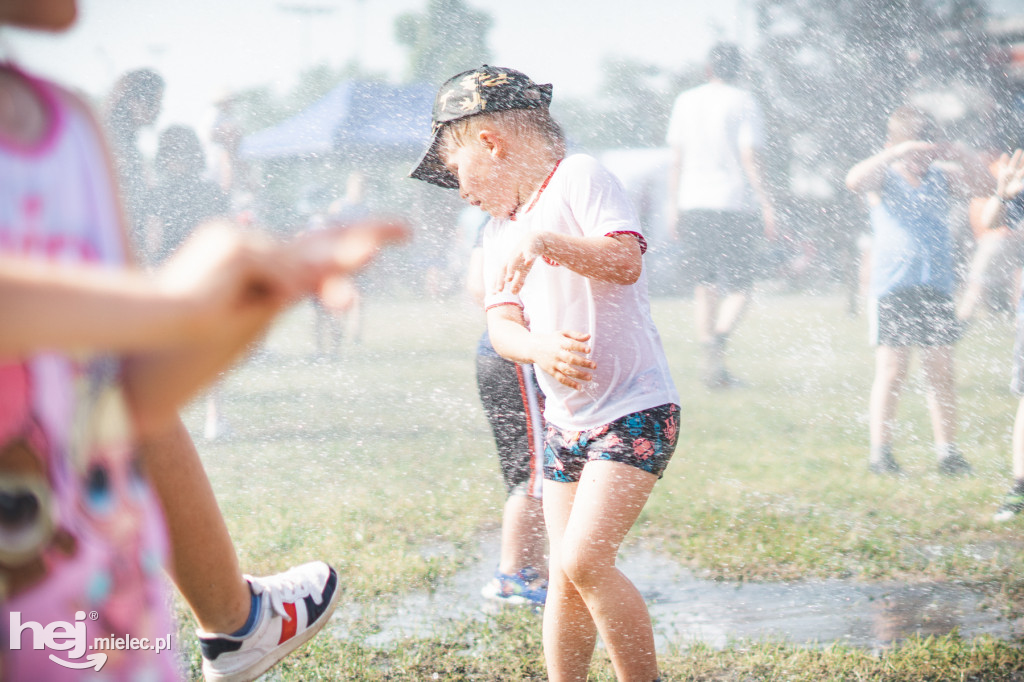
[248, 281]
[611, 258]
[179, 328]
[867, 175]
[83, 308]
[561, 354]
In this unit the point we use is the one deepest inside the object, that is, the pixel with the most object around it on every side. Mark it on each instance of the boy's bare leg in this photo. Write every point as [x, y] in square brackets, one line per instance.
[522, 535]
[705, 305]
[607, 501]
[890, 373]
[730, 311]
[204, 566]
[569, 630]
[937, 364]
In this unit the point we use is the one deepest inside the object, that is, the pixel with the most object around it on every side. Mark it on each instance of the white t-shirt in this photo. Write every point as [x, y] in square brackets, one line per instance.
[711, 124]
[583, 198]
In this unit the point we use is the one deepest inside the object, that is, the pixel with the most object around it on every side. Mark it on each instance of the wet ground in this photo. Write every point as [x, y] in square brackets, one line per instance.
[686, 609]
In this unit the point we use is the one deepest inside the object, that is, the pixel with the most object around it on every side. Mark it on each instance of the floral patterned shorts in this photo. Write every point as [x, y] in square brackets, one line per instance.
[645, 440]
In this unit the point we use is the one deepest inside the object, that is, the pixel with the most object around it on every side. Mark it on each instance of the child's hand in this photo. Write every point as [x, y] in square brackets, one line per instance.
[338, 252]
[515, 270]
[1010, 176]
[220, 268]
[559, 355]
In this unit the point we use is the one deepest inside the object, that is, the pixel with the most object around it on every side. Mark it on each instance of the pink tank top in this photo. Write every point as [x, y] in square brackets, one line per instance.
[82, 539]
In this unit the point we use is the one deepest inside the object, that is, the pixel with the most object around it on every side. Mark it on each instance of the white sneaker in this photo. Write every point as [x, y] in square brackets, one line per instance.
[294, 606]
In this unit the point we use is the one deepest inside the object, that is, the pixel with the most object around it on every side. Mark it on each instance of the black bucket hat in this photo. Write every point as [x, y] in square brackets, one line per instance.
[477, 91]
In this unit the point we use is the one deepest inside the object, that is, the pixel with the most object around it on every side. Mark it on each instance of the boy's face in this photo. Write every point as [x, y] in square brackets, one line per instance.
[483, 180]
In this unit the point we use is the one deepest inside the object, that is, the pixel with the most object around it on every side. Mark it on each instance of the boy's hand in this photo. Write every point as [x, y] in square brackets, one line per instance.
[514, 273]
[1010, 176]
[562, 355]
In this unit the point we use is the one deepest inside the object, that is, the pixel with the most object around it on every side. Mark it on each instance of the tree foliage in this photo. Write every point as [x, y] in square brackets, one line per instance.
[446, 39]
[831, 72]
[631, 109]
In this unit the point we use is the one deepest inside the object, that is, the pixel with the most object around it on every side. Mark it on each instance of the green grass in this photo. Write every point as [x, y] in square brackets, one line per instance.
[380, 462]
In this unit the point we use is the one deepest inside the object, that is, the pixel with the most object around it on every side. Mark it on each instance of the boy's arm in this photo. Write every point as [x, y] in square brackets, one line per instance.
[562, 354]
[475, 276]
[867, 175]
[614, 258]
[675, 170]
[751, 160]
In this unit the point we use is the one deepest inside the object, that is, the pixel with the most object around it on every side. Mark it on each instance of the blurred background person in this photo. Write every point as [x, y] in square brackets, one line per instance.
[133, 104]
[1006, 207]
[342, 321]
[715, 192]
[181, 196]
[180, 199]
[513, 404]
[992, 275]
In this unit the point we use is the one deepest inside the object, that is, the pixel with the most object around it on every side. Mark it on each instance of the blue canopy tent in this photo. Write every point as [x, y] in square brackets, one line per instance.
[355, 117]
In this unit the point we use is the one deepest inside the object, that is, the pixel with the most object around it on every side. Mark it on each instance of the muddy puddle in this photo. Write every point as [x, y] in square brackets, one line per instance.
[686, 609]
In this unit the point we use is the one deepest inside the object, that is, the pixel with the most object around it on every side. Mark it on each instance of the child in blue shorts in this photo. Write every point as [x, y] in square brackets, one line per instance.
[568, 294]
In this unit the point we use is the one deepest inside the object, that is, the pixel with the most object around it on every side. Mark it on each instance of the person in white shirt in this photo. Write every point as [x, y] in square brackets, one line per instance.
[717, 201]
[567, 293]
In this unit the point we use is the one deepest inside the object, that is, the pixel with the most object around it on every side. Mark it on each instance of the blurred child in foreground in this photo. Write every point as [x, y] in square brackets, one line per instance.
[95, 359]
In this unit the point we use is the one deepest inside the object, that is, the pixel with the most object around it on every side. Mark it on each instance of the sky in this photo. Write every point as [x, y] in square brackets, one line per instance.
[205, 48]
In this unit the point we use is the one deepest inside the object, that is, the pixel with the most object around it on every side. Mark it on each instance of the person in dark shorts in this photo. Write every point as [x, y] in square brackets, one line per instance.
[513, 404]
[718, 207]
[910, 187]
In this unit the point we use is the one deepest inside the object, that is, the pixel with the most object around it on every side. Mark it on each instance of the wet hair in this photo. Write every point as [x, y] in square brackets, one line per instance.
[911, 123]
[517, 121]
[725, 61]
[179, 152]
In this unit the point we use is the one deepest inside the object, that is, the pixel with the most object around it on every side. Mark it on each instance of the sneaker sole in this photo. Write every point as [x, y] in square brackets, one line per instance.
[511, 600]
[274, 657]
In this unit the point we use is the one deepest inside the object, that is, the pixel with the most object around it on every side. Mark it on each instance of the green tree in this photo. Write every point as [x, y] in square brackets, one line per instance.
[631, 109]
[449, 37]
[829, 74]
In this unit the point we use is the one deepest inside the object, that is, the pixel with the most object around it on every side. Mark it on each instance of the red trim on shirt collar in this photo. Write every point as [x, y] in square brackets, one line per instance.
[540, 191]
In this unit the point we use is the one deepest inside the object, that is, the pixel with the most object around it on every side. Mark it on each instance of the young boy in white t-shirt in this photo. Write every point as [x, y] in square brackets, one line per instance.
[568, 293]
